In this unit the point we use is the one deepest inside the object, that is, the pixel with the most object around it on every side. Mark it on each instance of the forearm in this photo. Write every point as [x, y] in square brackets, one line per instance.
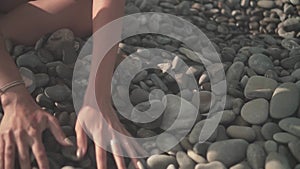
[9, 73]
[104, 12]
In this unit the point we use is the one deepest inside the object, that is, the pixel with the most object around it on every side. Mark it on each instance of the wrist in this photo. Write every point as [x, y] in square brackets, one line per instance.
[15, 95]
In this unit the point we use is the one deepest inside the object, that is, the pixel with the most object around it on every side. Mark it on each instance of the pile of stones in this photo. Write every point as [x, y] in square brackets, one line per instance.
[259, 46]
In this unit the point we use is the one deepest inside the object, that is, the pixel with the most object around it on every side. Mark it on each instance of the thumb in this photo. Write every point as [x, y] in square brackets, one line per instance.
[82, 141]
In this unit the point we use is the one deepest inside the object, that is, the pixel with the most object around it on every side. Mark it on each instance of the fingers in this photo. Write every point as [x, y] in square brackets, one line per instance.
[39, 152]
[82, 141]
[131, 153]
[100, 157]
[9, 151]
[117, 151]
[2, 144]
[23, 150]
[57, 132]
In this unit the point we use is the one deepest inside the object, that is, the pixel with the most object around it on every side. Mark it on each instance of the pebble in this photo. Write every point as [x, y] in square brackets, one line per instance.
[184, 160]
[284, 138]
[256, 156]
[41, 79]
[267, 4]
[228, 117]
[201, 148]
[260, 63]
[206, 99]
[296, 74]
[160, 161]
[269, 129]
[270, 146]
[30, 60]
[241, 132]
[58, 93]
[139, 95]
[166, 142]
[291, 125]
[285, 101]
[196, 131]
[235, 71]
[211, 165]
[242, 165]
[260, 87]
[294, 147]
[276, 161]
[29, 78]
[55, 42]
[178, 106]
[255, 111]
[228, 152]
[196, 157]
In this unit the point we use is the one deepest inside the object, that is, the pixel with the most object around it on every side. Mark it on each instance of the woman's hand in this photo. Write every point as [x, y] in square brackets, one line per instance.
[105, 136]
[21, 129]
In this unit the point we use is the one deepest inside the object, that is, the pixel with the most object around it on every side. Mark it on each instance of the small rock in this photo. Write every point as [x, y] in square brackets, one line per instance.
[294, 147]
[291, 125]
[260, 63]
[196, 157]
[166, 141]
[228, 116]
[296, 74]
[270, 146]
[285, 100]
[228, 152]
[160, 161]
[284, 138]
[139, 95]
[269, 129]
[255, 111]
[211, 165]
[260, 87]
[242, 165]
[276, 161]
[184, 160]
[235, 72]
[267, 4]
[256, 156]
[58, 93]
[29, 78]
[241, 132]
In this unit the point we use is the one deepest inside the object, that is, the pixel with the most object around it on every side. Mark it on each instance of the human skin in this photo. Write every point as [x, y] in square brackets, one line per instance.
[24, 121]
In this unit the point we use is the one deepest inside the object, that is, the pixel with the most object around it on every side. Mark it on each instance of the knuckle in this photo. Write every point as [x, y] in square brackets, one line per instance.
[33, 132]
[19, 133]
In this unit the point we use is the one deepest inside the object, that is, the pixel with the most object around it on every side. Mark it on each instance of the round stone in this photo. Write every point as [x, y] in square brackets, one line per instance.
[160, 161]
[260, 63]
[241, 165]
[29, 60]
[284, 138]
[196, 131]
[228, 152]
[166, 141]
[285, 101]
[291, 125]
[256, 156]
[179, 110]
[211, 165]
[296, 74]
[255, 111]
[269, 129]
[29, 78]
[276, 161]
[294, 147]
[241, 132]
[235, 72]
[260, 87]
[139, 95]
[228, 116]
[267, 4]
[184, 160]
[270, 146]
[58, 93]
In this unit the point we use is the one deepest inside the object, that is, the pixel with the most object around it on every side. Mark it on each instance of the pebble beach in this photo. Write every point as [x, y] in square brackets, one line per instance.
[258, 43]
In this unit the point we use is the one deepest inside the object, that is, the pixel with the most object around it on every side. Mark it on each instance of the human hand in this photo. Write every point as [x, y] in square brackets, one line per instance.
[106, 136]
[21, 129]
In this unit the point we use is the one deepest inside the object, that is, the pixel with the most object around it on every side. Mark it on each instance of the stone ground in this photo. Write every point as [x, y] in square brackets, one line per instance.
[259, 45]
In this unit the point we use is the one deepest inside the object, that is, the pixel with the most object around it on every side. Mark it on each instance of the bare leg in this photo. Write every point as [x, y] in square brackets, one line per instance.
[26, 23]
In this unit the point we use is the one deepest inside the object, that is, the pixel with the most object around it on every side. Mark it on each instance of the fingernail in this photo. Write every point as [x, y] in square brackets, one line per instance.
[69, 142]
[79, 153]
